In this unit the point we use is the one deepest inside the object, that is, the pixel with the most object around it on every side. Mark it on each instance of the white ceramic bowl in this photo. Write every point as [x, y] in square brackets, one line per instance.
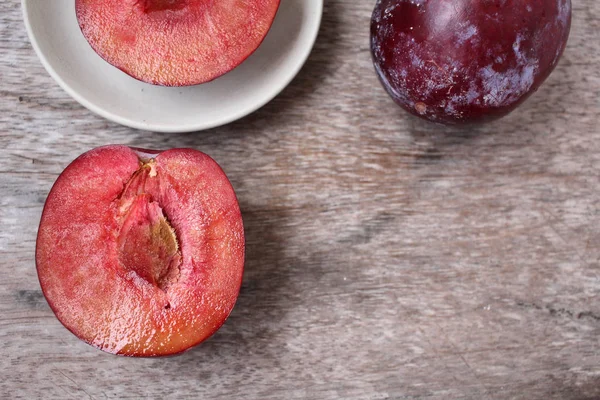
[107, 91]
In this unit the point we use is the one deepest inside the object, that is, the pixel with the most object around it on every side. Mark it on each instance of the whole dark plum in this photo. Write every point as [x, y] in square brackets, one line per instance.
[461, 61]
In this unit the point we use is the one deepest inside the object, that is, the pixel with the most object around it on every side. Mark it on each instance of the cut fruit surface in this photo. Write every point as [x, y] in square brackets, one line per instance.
[141, 253]
[175, 42]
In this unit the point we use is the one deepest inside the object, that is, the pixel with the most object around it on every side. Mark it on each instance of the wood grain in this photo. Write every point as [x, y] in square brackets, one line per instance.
[387, 258]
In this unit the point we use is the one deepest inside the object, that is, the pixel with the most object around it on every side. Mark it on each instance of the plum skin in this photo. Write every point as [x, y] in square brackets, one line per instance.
[466, 61]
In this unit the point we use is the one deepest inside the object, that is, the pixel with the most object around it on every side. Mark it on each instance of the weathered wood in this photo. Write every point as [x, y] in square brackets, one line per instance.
[387, 258]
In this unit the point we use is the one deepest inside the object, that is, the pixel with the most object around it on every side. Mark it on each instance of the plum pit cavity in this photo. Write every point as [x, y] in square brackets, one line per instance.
[147, 243]
[150, 6]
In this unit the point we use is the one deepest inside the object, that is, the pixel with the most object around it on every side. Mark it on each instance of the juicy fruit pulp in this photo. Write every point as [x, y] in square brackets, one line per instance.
[175, 42]
[141, 253]
[466, 60]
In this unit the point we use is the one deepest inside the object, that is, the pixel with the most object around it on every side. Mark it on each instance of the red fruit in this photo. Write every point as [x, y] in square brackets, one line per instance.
[141, 253]
[457, 61]
[175, 42]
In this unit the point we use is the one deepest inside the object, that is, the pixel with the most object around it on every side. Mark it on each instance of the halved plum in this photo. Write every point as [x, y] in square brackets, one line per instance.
[141, 253]
[175, 42]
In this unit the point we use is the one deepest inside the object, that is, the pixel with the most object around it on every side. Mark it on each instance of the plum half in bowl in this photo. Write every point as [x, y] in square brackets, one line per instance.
[175, 42]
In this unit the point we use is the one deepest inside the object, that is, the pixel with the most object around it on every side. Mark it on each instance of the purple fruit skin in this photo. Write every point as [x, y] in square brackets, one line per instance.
[465, 61]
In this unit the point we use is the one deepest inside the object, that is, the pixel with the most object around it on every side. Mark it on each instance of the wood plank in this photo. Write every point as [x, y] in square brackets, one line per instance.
[387, 258]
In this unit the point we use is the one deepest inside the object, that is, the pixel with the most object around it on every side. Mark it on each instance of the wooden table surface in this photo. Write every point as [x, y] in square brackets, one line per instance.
[387, 258]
